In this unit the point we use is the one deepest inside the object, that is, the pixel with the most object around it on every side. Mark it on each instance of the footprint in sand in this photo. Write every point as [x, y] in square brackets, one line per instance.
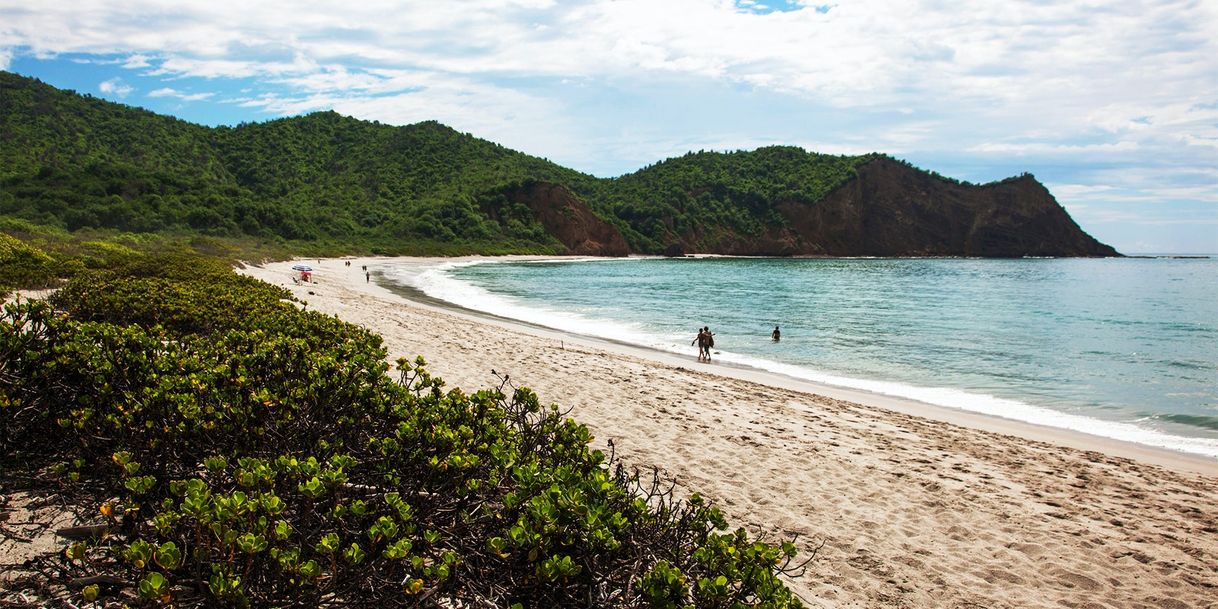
[1030, 549]
[1166, 603]
[1070, 579]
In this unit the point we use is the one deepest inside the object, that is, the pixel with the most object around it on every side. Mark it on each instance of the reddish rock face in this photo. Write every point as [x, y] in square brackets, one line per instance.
[895, 210]
[889, 209]
[892, 209]
[571, 221]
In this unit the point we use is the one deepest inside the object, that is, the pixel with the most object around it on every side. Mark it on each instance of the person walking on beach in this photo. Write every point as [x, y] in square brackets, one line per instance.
[700, 340]
[775, 334]
[367, 277]
[705, 340]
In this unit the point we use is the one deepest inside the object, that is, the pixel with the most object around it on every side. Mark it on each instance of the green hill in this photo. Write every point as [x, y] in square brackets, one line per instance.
[334, 184]
[76, 162]
[716, 197]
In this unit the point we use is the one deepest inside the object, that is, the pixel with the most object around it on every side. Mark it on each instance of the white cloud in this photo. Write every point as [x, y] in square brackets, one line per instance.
[489, 112]
[1133, 85]
[116, 87]
[1042, 61]
[1082, 192]
[1052, 148]
[171, 92]
[1161, 188]
[136, 61]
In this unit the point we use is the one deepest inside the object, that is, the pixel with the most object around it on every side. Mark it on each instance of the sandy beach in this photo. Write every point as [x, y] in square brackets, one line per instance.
[911, 506]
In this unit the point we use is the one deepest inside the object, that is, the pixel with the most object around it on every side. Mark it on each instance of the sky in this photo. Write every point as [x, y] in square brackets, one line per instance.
[1113, 105]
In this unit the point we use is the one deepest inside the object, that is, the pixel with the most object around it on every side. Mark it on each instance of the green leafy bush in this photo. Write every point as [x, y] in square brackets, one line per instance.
[23, 265]
[251, 454]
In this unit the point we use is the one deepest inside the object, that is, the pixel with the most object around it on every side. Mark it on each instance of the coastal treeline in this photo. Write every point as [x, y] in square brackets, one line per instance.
[229, 448]
[334, 184]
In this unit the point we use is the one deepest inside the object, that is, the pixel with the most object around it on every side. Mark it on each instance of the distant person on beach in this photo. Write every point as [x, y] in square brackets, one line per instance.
[700, 340]
[367, 277]
[775, 334]
[705, 341]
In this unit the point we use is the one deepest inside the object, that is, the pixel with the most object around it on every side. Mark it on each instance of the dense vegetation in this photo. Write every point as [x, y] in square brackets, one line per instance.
[328, 183]
[235, 451]
[322, 180]
[720, 196]
[34, 256]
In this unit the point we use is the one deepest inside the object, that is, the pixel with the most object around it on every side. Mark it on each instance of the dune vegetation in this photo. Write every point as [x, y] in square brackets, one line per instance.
[228, 448]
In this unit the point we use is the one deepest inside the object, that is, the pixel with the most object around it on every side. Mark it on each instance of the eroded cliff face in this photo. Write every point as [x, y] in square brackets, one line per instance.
[889, 209]
[571, 221]
[892, 209]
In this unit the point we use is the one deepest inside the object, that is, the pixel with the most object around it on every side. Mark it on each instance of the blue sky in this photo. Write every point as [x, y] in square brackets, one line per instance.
[1113, 105]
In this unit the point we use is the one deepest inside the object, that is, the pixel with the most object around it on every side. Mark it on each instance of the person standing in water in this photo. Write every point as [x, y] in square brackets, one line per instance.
[775, 334]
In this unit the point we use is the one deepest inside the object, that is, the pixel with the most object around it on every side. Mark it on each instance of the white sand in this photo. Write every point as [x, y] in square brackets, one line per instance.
[917, 506]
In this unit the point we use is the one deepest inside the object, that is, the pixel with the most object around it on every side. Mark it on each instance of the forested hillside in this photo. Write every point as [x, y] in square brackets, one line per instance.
[79, 162]
[706, 199]
[385, 184]
[335, 184]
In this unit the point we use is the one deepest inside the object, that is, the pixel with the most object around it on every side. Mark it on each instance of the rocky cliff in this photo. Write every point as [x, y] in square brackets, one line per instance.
[570, 220]
[892, 209]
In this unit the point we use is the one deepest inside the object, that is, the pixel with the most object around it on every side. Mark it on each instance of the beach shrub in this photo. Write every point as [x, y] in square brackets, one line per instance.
[23, 265]
[246, 453]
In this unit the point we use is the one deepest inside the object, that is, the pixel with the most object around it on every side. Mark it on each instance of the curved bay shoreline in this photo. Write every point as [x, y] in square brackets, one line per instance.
[915, 505]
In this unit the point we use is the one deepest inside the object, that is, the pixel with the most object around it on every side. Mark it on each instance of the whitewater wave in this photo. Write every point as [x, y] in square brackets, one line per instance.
[958, 399]
[436, 281]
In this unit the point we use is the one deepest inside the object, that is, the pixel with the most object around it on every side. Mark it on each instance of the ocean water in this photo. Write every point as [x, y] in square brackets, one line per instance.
[1122, 348]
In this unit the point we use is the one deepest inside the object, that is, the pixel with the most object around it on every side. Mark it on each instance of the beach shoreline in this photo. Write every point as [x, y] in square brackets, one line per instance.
[909, 504]
[1177, 460]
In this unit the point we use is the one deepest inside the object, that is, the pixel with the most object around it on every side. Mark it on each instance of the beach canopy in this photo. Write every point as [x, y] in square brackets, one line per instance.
[302, 267]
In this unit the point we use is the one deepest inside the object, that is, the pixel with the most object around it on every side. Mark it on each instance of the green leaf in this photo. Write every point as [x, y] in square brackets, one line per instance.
[153, 586]
[168, 556]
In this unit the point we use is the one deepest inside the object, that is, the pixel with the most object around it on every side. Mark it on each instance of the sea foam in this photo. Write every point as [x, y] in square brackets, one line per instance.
[1015, 410]
[436, 281]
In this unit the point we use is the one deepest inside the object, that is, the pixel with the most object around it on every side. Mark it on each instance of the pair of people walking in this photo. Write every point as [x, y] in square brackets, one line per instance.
[705, 340]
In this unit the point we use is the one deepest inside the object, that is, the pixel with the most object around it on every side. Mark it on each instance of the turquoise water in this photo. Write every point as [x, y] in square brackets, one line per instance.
[1125, 348]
